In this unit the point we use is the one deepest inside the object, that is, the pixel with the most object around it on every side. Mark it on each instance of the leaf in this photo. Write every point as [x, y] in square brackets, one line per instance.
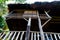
[1, 22]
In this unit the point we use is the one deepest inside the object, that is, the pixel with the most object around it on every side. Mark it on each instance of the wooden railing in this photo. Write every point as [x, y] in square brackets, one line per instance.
[20, 35]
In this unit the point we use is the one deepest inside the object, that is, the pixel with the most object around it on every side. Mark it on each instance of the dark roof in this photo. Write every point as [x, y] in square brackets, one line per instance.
[54, 7]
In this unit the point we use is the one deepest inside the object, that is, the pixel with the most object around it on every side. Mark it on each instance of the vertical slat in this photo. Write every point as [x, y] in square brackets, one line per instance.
[35, 36]
[2, 35]
[38, 36]
[21, 35]
[32, 36]
[13, 35]
[51, 36]
[55, 36]
[6, 36]
[47, 36]
[59, 36]
[10, 35]
[17, 36]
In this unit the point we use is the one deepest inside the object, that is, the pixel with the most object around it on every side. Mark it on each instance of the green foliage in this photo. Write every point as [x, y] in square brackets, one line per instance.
[21, 1]
[3, 25]
[3, 1]
[2, 12]
[2, 7]
[1, 22]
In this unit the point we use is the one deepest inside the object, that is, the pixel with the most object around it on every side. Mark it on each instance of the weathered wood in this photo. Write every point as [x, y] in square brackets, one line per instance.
[40, 27]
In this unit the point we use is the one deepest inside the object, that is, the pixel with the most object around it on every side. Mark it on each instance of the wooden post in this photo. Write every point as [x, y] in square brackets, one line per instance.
[40, 28]
[28, 29]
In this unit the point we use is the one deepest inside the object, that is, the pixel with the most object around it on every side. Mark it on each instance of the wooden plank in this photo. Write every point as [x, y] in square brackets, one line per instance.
[22, 36]
[32, 36]
[17, 35]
